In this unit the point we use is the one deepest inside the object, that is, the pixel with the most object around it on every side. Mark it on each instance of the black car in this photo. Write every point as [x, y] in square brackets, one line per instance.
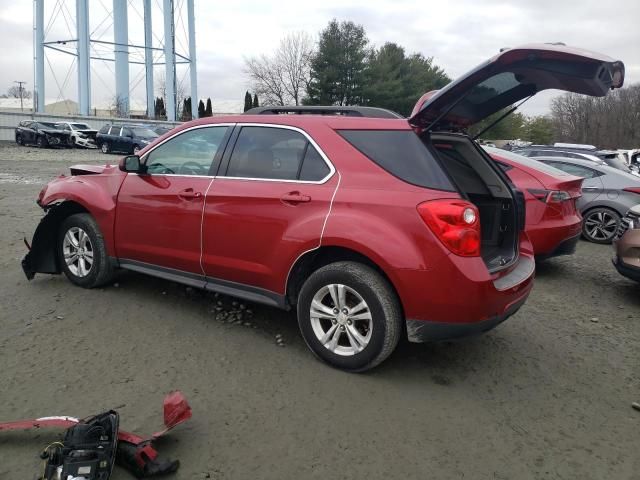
[124, 138]
[42, 134]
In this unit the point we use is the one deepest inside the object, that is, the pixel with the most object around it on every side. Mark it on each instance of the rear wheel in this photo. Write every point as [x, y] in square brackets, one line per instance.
[82, 253]
[349, 316]
[600, 224]
[136, 149]
[104, 147]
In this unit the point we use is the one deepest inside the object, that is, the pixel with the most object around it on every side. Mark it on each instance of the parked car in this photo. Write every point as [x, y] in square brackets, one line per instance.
[161, 129]
[607, 194]
[627, 245]
[42, 134]
[357, 220]
[553, 222]
[124, 138]
[82, 134]
[610, 157]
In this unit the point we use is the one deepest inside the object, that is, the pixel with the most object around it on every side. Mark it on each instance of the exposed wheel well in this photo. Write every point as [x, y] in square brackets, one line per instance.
[42, 256]
[312, 261]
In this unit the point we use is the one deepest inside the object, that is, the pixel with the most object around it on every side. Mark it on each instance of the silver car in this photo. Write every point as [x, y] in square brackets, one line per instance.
[607, 195]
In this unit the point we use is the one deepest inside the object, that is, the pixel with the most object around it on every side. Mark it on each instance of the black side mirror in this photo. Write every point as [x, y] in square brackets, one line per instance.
[132, 164]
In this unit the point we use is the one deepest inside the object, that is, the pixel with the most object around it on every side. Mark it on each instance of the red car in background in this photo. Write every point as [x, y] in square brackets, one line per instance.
[553, 222]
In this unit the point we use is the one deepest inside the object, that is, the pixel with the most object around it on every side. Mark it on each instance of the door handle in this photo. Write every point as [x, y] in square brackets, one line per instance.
[189, 194]
[294, 198]
[590, 189]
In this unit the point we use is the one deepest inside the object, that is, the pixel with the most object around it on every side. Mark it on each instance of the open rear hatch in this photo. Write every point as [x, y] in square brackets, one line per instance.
[511, 76]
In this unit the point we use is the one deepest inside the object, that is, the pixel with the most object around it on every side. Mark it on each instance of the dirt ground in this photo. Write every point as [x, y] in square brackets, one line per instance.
[546, 395]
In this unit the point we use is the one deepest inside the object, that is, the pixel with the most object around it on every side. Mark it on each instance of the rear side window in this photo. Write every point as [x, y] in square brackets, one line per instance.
[115, 131]
[577, 170]
[402, 154]
[275, 154]
[104, 129]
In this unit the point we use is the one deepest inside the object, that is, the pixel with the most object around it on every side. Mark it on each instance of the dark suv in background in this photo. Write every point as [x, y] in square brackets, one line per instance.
[124, 138]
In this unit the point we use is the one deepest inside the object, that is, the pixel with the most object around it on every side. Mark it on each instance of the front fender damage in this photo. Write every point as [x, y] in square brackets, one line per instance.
[42, 257]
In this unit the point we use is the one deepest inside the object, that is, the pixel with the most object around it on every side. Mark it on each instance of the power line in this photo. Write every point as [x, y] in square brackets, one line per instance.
[20, 89]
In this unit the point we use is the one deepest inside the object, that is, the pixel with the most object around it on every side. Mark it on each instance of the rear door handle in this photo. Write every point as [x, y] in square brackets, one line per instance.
[294, 198]
[189, 194]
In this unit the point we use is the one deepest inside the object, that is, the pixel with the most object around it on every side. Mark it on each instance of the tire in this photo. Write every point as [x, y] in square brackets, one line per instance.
[42, 142]
[600, 224]
[105, 147]
[136, 149]
[379, 334]
[19, 140]
[100, 269]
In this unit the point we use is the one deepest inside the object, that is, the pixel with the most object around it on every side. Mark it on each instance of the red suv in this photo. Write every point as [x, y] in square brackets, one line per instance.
[370, 225]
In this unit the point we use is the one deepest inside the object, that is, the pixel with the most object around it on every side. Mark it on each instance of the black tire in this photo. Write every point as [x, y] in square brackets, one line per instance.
[601, 216]
[105, 147]
[101, 270]
[19, 140]
[136, 149]
[42, 142]
[386, 314]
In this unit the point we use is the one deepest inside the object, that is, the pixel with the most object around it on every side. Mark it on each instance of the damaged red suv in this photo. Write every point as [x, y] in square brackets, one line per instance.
[353, 216]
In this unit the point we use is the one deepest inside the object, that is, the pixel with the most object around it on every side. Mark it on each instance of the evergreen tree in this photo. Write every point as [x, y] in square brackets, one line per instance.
[201, 111]
[247, 101]
[338, 68]
[186, 110]
[255, 100]
[209, 110]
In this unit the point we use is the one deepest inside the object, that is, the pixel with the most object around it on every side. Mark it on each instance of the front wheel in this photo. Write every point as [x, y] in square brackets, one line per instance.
[349, 316]
[19, 140]
[600, 225]
[42, 142]
[82, 253]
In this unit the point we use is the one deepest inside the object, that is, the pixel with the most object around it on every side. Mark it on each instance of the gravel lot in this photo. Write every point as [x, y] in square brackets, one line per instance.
[547, 395]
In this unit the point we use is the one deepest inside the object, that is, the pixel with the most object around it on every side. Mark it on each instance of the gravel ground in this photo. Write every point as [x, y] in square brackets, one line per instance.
[547, 395]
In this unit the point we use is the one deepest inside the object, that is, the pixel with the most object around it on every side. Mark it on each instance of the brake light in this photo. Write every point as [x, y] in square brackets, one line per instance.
[632, 190]
[456, 223]
[550, 196]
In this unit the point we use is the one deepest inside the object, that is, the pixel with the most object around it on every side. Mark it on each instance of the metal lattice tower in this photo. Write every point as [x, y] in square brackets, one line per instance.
[85, 42]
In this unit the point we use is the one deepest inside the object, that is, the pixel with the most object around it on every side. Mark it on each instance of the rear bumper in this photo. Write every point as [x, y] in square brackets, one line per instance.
[568, 247]
[420, 331]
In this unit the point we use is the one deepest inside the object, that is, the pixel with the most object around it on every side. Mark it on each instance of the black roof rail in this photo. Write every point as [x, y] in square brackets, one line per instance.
[369, 112]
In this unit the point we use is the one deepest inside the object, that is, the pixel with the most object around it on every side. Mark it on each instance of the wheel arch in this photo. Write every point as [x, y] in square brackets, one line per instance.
[312, 260]
[42, 257]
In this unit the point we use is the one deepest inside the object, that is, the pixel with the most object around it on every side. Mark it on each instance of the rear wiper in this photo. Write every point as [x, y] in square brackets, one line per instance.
[506, 114]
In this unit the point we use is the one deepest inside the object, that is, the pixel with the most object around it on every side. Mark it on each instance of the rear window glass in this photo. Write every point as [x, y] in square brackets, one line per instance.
[525, 161]
[402, 154]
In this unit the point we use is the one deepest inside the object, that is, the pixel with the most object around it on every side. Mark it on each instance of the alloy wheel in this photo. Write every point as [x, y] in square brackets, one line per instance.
[104, 148]
[601, 225]
[77, 251]
[341, 319]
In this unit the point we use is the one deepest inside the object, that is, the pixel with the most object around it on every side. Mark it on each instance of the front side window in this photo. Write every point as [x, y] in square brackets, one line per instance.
[275, 154]
[189, 153]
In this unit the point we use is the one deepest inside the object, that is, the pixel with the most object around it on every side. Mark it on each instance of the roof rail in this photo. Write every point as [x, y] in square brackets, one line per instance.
[349, 111]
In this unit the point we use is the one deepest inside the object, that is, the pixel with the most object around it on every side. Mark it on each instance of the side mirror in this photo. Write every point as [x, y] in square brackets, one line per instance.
[131, 164]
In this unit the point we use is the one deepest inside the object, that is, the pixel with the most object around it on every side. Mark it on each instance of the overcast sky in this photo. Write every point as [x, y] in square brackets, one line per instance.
[459, 35]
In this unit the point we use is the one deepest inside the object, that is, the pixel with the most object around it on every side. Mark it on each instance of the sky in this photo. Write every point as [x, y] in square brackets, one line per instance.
[458, 35]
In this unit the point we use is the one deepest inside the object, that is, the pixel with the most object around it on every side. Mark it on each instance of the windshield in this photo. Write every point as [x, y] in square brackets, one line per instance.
[143, 132]
[80, 126]
[48, 125]
[616, 162]
[525, 161]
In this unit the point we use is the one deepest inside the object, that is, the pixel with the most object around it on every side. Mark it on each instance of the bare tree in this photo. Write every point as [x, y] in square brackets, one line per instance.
[282, 78]
[608, 122]
[118, 107]
[161, 91]
[16, 91]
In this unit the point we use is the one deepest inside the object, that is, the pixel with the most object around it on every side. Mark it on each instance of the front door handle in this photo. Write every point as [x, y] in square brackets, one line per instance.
[189, 194]
[294, 198]
[590, 189]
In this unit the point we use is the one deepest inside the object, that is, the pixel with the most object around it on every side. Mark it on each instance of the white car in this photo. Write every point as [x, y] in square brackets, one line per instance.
[82, 134]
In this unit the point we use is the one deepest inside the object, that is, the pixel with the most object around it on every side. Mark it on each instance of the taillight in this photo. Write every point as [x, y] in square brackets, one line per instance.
[456, 223]
[632, 190]
[550, 196]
